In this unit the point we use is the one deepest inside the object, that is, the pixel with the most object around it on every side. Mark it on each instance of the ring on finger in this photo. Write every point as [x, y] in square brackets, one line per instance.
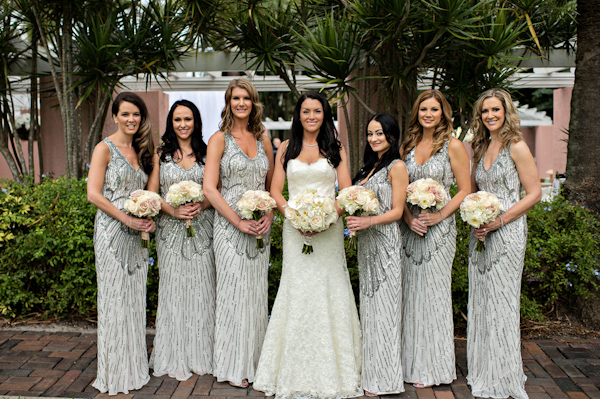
[484, 230]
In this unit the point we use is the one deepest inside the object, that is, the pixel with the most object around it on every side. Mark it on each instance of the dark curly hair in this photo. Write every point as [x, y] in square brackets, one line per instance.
[371, 160]
[329, 144]
[170, 144]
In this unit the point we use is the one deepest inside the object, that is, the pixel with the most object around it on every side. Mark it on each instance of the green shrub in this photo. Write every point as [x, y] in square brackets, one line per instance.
[47, 255]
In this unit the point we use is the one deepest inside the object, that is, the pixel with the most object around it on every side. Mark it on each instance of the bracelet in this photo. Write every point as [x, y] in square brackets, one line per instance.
[238, 224]
[443, 217]
[501, 221]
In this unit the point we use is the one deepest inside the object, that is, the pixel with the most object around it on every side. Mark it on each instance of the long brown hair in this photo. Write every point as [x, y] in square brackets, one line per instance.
[509, 132]
[443, 131]
[255, 121]
[142, 139]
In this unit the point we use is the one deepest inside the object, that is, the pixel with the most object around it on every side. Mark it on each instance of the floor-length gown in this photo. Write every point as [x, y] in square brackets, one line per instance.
[312, 348]
[185, 319]
[427, 326]
[380, 275]
[242, 269]
[122, 271]
[493, 334]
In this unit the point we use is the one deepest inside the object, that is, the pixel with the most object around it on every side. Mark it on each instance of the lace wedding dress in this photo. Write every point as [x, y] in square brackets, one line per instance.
[312, 348]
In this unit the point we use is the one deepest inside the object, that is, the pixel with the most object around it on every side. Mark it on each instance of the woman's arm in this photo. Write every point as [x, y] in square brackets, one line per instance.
[264, 223]
[98, 165]
[530, 180]
[214, 153]
[398, 176]
[278, 180]
[459, 161]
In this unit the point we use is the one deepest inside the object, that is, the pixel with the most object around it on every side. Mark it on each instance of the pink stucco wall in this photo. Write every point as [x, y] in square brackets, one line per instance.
[53, 143]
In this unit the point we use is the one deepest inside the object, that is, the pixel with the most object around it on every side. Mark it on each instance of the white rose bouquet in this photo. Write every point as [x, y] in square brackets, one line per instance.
[182, 193]
[141, 204]
[480, 208]
[426, 194]
[253, 205]
[360, 201]
[310, 212]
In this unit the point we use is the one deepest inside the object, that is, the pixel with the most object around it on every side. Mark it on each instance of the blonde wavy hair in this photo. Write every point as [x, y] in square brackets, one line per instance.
[443, 131]
[509, 132]
[255, 121]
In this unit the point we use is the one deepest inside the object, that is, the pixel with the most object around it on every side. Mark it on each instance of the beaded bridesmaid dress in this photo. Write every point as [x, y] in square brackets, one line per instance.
[122, 271]
[185, 319]
[427, 326]
[242, 288]
[493, 333]
[380, 277]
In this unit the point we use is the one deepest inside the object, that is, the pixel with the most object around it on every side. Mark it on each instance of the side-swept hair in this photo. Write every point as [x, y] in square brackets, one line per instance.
[142, 139]
[255, 121]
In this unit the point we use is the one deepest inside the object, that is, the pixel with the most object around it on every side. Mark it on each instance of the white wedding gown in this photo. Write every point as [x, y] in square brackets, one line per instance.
[312, 347]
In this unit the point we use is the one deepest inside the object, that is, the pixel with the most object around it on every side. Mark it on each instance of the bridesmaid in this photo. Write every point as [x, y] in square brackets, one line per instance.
[503, 164]
[121, 164]
[240, 157]
[429, 241]
[186, 298]
[379, 258]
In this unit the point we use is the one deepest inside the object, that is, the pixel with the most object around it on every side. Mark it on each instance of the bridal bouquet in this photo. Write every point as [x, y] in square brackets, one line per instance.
[182, 193]
[141, 204]
[360, 201]
[253, 205]
[480, 208]
[310, 212]
[426, 194]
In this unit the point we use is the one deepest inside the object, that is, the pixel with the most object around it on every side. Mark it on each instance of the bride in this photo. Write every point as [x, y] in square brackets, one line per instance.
[312, 347]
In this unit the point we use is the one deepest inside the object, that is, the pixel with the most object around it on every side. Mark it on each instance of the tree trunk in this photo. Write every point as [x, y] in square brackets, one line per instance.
[583, 151]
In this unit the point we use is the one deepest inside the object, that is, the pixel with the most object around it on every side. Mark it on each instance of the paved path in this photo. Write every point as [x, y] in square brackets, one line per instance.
[63, 364]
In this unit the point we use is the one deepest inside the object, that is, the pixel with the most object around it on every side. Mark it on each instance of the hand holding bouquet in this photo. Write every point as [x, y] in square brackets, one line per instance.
[427, 194]
[182, 193]
[480, 208]
[141, 204]
[360, 201]
[310, 212]
[253, 205]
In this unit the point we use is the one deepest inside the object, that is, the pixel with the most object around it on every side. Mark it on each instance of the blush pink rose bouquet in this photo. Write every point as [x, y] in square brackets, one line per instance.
[182, 193]
[253, 205]
[143, 204]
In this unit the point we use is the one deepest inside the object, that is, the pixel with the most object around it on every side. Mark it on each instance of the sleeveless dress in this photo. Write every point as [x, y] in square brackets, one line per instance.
[122, 271]
[185, 319]
[242, 288]
[493, 332]
[380, 277]
[427, 326]
[312, 348]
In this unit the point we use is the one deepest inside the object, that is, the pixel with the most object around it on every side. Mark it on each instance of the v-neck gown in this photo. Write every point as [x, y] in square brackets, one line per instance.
[427, 326]
[312, 349]
[242, 288]
[493, 334]
[185, 319]
[122, 271]
[380, 277]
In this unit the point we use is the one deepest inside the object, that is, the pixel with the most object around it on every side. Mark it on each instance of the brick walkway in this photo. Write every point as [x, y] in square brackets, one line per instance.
[64, 365]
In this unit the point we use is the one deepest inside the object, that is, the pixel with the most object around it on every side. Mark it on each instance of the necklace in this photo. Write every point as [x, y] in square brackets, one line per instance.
[310, 145]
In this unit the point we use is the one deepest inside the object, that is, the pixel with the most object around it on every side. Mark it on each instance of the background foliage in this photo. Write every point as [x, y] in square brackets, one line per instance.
[47, 255]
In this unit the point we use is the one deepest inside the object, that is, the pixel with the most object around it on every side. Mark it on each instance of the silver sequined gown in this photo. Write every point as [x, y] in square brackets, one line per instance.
[427, 326]
[185, 319]
[380, 276]
[312, 348]
[122, 271]
[493, 333]
[242, 297]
